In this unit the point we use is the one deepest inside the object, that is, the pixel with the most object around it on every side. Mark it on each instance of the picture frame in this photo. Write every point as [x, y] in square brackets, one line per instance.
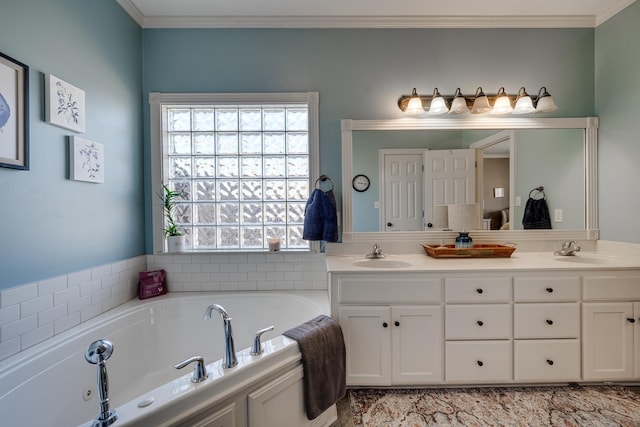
[14, 113]
[64, 104]
[86, 160]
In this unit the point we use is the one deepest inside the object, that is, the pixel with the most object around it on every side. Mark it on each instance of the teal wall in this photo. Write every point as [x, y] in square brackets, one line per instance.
[51, 225]
[617, 72]
[360, 73]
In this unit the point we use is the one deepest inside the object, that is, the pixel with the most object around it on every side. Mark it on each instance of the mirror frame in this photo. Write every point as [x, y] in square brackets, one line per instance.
[589, 124]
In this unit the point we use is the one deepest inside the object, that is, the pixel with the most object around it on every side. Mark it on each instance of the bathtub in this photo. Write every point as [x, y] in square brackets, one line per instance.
[51, 384]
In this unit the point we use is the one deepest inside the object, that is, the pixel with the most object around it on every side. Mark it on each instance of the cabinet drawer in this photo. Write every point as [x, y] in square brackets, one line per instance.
[610, 288]
[476, 322]
[558, 320]
[370, 289]
[546, 288]
[547, 360]
[476, 290]
[478, 361]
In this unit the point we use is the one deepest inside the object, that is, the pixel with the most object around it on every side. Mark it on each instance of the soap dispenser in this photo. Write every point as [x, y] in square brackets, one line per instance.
[464, 240]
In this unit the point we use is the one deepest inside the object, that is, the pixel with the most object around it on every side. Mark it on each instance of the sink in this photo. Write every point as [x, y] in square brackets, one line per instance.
[381, 263]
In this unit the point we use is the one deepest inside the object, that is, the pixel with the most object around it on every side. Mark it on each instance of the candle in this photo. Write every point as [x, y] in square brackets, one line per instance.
[274, 244]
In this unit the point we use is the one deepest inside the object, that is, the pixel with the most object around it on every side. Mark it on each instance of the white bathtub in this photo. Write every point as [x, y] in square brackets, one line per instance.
[49, 384]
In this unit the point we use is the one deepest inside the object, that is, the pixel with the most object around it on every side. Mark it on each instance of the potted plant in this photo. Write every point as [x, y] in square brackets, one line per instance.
[175, 239]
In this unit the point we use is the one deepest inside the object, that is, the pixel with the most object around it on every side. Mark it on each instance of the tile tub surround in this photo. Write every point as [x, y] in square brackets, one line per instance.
[32, 313]
[273, 271]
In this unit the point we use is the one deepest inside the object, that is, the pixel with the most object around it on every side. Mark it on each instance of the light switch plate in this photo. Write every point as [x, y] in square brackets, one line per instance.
[557, 215]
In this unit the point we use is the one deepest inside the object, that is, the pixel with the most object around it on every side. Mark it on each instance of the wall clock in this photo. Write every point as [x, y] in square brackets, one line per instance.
[361, 183]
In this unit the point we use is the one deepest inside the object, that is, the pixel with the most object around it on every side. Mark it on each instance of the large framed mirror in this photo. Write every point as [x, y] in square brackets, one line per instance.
[509, 158]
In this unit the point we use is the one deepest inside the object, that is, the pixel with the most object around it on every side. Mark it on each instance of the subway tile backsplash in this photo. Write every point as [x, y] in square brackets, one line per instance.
[32, 313]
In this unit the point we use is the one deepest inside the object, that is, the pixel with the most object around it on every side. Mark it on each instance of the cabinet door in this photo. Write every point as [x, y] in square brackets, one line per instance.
[608, 330]
[367, 335]
[416, 336]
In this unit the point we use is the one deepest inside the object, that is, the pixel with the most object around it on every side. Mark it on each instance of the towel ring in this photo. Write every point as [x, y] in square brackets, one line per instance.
[323, 178]
[540, 190]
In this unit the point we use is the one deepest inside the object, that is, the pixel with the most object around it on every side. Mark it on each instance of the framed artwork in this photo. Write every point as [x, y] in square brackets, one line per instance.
[86, 160]
[64, 104]
[14, 113]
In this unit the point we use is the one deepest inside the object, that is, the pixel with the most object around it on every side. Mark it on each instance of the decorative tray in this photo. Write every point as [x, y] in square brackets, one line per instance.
[477, 251]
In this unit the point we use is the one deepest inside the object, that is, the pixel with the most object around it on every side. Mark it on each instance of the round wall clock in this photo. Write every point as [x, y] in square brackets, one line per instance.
[361, 183]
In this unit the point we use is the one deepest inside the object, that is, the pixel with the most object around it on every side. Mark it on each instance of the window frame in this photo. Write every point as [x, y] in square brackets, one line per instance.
[158, 100]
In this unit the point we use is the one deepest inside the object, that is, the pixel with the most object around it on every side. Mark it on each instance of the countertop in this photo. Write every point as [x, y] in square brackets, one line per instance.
[518, 261]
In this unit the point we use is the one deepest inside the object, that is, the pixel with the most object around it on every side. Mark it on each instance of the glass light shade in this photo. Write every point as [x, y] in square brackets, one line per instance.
[414, 106]
[546, 105]
[502, 104]
[524, 105]
[481, 103]
[459, 104]
[438, 103]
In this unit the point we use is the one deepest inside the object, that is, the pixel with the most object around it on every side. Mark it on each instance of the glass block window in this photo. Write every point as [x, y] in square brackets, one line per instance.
[244, 171]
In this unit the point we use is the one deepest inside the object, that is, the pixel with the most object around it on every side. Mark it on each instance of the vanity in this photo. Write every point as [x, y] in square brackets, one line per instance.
[533, 318]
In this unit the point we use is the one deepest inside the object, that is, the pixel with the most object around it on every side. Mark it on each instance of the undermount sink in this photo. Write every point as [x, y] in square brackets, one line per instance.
[381, 263]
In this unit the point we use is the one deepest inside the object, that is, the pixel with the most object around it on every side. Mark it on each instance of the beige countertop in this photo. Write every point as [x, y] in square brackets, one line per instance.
[518, 261]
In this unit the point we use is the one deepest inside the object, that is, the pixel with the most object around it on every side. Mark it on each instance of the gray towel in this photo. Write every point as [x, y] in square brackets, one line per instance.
[323, 363]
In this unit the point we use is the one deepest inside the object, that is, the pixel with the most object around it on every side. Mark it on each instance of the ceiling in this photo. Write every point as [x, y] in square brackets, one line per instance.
[372, 13]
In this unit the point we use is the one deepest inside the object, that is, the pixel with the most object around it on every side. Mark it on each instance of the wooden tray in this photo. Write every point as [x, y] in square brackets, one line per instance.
[477, 251]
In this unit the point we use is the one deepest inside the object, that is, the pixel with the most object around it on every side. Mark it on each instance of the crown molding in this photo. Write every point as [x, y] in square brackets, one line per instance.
[611, 12]
[368, 21]
[133, 11]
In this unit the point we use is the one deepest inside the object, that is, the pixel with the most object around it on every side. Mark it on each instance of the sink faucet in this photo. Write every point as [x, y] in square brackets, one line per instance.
[377, 252]
[230, 360]
[569, 248]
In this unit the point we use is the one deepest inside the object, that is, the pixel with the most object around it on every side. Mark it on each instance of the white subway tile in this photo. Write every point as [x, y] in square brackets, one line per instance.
[111, 280]
[247, 286]
[293, 276]
[75, 279]
[90, 312]
[275, 276]
[36, 336]
[67, 322]
[100, 272]
[172, 268]
[210, 268]
[79, 304]
[191, 268]
[247, 267]
[90, 287]
[237, 258]
[52, 314]
[9, 314]
[192, 287]
[18, 294]
[229, 286]
[15, 329]
[181, 259]
[266, 267]
[119, 266]
[238, 277]
[257, 277]
[100, 296]
[66, 295]
[50, 286]
[201, 277]
[9, 348]
[257, 258]
[219, 259]
[285, 286]
[285, 267]
[200, 259]
[33, 306]
[266, 286]
[210, 287]
[228, 268]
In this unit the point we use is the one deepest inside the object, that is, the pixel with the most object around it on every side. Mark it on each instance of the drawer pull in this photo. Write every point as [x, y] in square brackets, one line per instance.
[385, 324]
[397, 323]
[480, 363]
[549, 362]
[479, 290]
[480, 323]
[550, 290]
[631, 320]
[549, 322]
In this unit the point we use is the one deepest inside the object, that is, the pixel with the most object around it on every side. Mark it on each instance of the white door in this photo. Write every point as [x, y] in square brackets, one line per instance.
[402, 194]
[417, 344]
[450, 178]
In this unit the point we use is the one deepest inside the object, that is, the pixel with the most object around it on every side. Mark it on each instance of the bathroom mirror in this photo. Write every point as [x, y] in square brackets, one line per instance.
[557, 153]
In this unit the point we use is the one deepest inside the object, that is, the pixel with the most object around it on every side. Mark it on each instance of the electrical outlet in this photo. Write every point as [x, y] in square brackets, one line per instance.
[557, 215]
[376, 204]
[518, 201]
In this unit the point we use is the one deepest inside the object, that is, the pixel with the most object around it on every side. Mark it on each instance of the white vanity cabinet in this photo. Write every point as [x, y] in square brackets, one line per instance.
[611, 330]
[546, 317]
[478, 330]
[392, 328]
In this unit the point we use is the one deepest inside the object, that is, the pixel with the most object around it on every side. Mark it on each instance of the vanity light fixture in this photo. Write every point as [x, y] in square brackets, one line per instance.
[501, 103]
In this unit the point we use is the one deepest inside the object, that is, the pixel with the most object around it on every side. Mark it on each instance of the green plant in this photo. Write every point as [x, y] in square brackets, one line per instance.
[169, 199]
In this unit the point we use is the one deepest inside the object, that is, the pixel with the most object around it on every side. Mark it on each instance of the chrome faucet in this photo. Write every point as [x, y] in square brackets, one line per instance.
[230, 360]
[97, 354]
[377, 252]
[569, 248]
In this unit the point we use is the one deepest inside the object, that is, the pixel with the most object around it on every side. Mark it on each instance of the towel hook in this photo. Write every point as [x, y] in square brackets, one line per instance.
[540, 190]
[323, 178]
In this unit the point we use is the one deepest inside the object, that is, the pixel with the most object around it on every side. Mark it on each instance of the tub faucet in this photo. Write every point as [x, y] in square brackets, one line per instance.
[376, 253]
[569, 248]
[97, 354]
[230, 360]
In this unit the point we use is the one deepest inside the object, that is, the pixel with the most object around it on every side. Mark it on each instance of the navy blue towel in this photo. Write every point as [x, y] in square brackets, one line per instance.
[320, 217]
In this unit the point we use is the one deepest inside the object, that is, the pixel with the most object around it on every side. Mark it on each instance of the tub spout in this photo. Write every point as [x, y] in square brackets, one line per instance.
[230, 360]
[97, 354]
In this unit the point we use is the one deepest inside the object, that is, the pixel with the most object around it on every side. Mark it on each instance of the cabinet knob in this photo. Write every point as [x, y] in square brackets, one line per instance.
[549, 322]
[549, 362]
[480, 363]
[430, 225]
[480, 323]
[550, 290]
[631, 320]
[479, 290]
[385, 324]
[396, 323]
[389, 224]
